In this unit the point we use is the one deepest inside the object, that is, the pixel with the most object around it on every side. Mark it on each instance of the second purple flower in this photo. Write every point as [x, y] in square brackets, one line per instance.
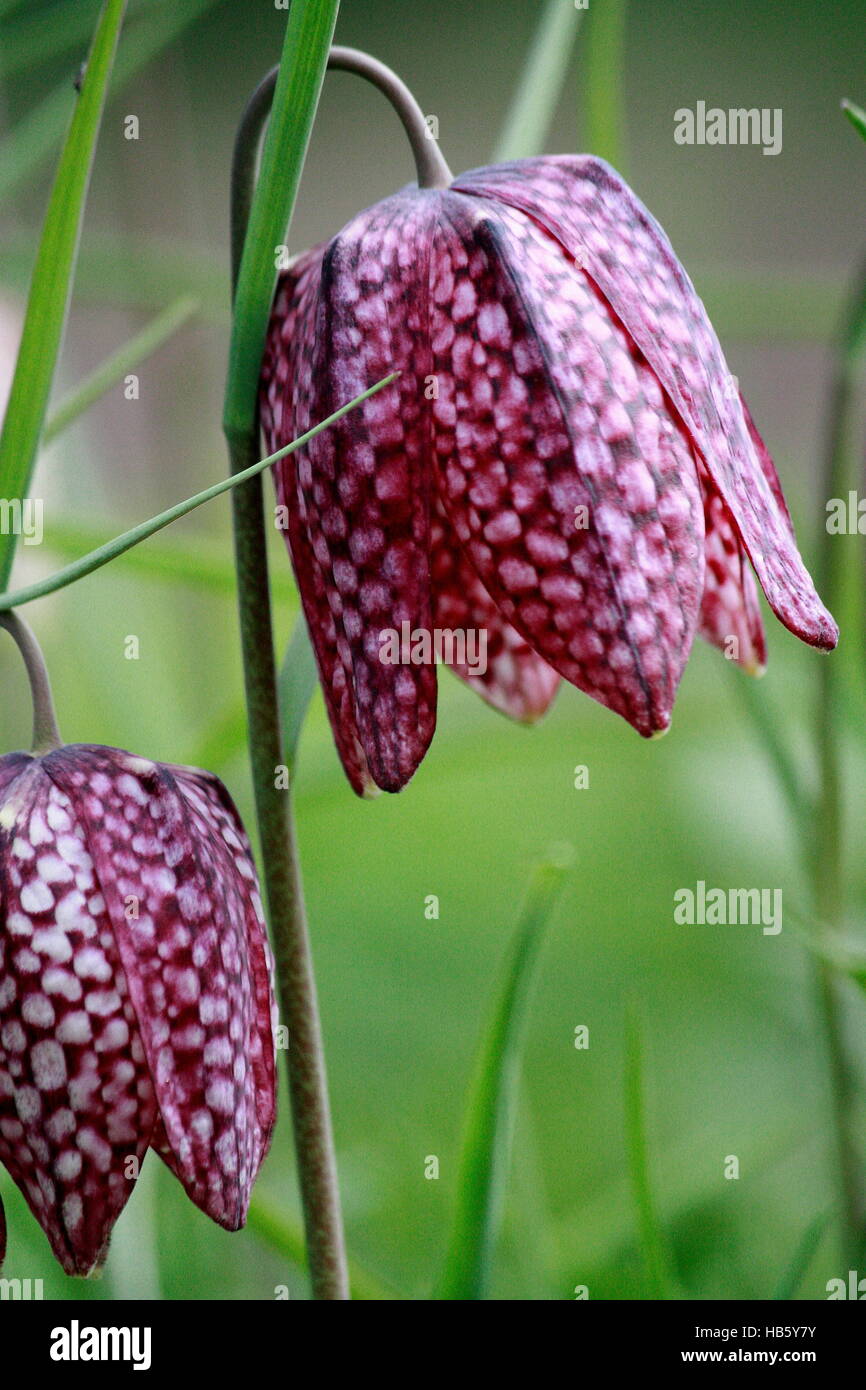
[565, 461]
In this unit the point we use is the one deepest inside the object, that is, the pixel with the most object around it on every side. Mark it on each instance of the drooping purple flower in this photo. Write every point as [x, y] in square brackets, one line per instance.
[565, 461]
[136, 1005]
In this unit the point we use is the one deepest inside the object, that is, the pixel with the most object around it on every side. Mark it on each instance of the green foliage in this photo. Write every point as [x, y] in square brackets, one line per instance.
[492, 1100]
[541, 79]
[302, 71]
[652, 1243]
[51, 284]
[857, 116]
[36, 136]
[104, 554]
[116, 367]
[792, 1278]
[604, 82]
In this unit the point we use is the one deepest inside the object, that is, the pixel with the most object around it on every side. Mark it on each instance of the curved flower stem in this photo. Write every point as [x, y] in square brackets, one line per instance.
[433, 172]
[46, 734]
[827, 863]
[431, 168]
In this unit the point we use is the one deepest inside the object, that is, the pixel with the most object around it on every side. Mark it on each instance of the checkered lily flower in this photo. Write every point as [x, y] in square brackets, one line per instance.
[136, 1006]
[564, 462]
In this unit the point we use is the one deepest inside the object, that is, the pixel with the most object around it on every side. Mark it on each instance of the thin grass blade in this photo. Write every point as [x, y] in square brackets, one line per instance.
[206, 565]
[652, 1242]
[36, 136]
[116, 367]
[856, 115]
[87, 564]
[492, 1099]
[604, 82]
[803, 1256]
[540, 86]
[296, 97]
[51, 284]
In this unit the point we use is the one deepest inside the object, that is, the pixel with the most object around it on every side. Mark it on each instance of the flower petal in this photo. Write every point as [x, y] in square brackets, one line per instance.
[362, 487]
[180, 891]
[218, 824]
[286, 373]
[76, 1101]
[515, 680]
[730, 609]
[599, 221]
[567, 482]
[768, 468]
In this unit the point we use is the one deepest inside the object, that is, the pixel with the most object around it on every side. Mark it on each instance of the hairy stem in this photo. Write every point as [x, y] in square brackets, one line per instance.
[46, 734]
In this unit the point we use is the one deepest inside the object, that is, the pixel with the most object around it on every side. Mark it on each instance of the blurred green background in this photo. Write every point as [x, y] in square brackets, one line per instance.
[734, 1058]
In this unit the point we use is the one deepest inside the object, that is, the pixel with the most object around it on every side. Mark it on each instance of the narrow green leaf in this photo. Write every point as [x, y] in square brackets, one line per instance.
[52, 278]
[538, 91]
[286, 1237]
[296, 686]
[115, 367]
[89, 563]
[491, 1105]
[856, 115]
[205, 565]
[652, 1241]
[309, 32]
[604, 82]
[803, 1256]
[37, 134]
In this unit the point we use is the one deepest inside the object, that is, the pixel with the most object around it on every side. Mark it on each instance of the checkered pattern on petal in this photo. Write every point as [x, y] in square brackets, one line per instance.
[180, 891]
[572, 490]
[730, 608]
[77, 1105]
[362, 487]
[516, 680]
[621, 247]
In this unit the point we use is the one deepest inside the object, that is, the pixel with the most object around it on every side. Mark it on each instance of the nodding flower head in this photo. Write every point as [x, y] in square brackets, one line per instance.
[136, 1006]
[565, 461]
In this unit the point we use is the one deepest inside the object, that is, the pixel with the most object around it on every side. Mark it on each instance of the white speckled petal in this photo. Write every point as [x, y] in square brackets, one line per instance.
[76, 1099]
[572, 490]
[180, 889]
[621, 247]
